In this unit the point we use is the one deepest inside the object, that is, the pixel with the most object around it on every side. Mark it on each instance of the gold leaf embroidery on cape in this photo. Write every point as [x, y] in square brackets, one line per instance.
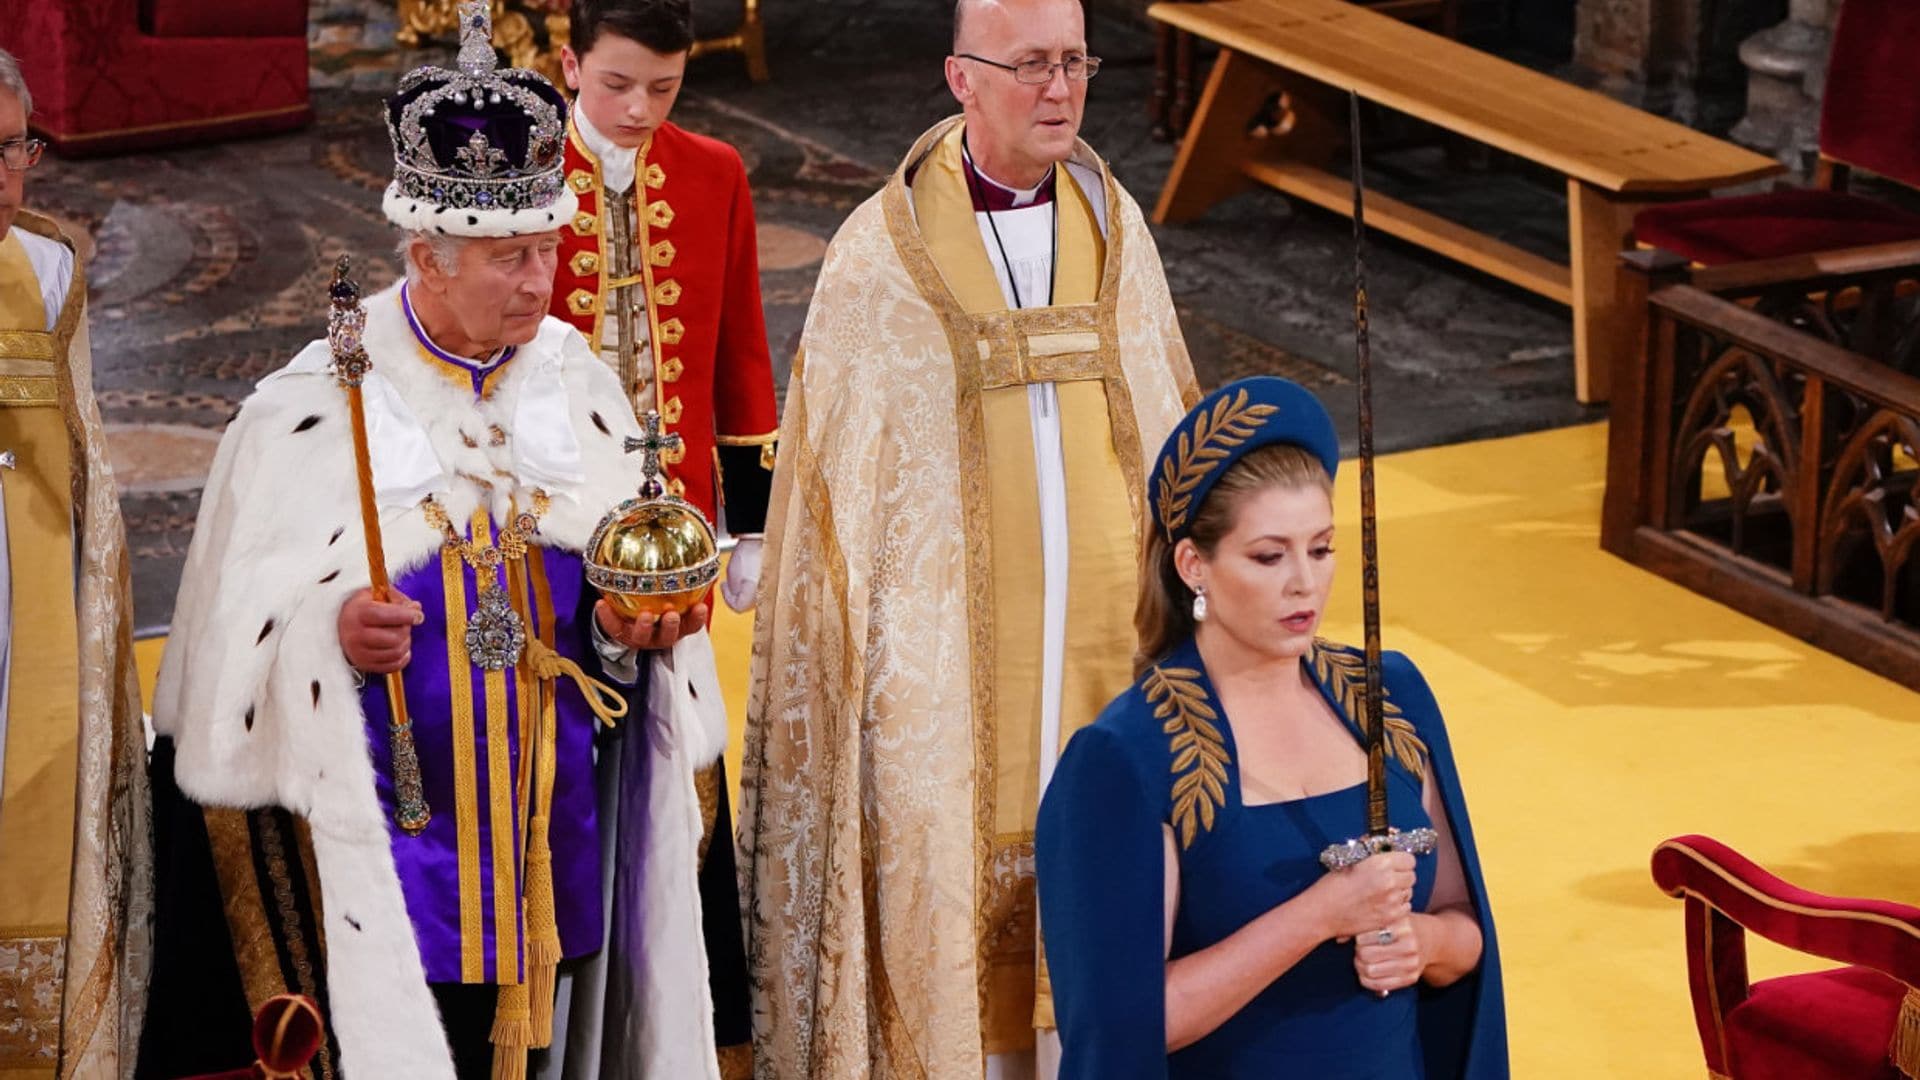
[1344, 673]
[1199, 750]
[1229, 423]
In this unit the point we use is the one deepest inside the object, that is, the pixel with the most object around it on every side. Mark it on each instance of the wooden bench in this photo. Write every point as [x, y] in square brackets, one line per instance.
[1616, 159]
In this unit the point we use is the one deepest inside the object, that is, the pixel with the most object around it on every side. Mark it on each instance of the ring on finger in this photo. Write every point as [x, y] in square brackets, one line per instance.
[1384, 937]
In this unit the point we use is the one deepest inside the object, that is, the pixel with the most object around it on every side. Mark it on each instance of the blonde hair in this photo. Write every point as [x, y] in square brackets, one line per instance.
[1163, 615]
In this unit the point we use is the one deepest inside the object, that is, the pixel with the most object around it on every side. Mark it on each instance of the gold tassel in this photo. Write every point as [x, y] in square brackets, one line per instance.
[543, 932]
[512, 1033]
[1905, 1050]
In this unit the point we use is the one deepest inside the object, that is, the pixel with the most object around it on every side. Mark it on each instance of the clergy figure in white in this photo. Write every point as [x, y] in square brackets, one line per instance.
[951, 567]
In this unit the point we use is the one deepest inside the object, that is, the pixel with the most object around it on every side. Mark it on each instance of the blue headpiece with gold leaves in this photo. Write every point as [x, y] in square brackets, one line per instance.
[1224, 427]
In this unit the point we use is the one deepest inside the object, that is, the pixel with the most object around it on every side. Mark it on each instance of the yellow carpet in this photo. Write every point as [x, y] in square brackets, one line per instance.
[1597, 709]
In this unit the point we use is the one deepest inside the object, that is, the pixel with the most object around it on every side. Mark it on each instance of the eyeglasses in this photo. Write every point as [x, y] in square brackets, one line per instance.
[21, 154]
[1040, 72]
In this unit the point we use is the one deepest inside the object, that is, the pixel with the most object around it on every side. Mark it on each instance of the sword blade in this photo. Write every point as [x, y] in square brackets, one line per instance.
[1374, 723]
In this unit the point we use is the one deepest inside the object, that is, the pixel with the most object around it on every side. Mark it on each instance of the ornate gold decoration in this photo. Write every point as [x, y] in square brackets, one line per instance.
[671, 370]
[585, 224]
[670, 412]
[655, 177]
[1200, 751]
[1230, 422]
[580, 180]
[661, 254]
[496, 634]
[671, 331]
[582, 301]
[654, 553]
[750, 40]
[659, 214]
[1344, 673]
[667, 293]
[585, 263]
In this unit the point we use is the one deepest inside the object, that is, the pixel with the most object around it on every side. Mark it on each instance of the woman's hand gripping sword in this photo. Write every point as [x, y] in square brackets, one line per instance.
[346, 326]
[1381, 836]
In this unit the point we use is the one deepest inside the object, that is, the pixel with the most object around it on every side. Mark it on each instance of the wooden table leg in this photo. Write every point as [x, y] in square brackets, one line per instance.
[1599, 228]
[1161, 103]
[1182, 110]
[1208, 165]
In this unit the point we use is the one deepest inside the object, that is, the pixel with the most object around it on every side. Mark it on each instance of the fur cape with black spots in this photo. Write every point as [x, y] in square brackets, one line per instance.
[254, 691]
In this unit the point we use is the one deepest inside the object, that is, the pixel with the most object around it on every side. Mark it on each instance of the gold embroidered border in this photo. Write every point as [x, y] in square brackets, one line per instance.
[30, 1038]
[962, 333]
[231, 842]
[273, 847]
[28, 352]
[466, 796]
[1008, 359]
[600, 207]
[72, 311]
[894, 1033]
[748, 440]
[645, 223]
[500, 816]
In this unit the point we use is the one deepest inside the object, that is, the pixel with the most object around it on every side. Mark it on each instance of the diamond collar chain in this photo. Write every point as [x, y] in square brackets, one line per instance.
[510, 544]
[496, 634]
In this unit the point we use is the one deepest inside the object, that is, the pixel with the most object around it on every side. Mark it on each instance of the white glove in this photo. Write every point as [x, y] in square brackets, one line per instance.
[741, 589]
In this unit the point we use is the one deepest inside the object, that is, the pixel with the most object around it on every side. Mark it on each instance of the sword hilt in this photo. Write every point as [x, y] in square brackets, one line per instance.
[1351, 853]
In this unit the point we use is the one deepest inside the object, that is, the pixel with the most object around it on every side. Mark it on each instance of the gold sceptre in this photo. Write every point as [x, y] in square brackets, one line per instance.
[346, 326]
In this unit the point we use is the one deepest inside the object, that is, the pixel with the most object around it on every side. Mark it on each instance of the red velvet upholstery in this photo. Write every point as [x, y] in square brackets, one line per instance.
[1869, 119]
[102, 84]
[1829, 1024]
[234, 18]
[1776, 224]
[1870, 114]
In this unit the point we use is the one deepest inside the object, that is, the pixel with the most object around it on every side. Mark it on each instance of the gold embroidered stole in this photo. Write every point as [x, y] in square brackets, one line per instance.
[43, 708]
[997, 354]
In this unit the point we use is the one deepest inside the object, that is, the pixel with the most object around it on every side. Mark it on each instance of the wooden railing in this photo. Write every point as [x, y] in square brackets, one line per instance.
[1764, 442]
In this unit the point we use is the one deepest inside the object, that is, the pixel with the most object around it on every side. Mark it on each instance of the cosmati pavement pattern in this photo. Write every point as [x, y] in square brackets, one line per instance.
[211, 262]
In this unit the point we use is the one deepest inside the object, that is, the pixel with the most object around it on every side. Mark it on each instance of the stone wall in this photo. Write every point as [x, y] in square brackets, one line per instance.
[1678, 58]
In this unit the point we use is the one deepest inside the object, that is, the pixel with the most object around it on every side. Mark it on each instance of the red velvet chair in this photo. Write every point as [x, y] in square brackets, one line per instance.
[113, 75]
[286, 1034]
[1861, 1021]
[1869, 119]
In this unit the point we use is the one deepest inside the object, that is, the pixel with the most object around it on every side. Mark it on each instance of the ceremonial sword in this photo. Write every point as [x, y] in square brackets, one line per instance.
[1381, 836]
[346, 327]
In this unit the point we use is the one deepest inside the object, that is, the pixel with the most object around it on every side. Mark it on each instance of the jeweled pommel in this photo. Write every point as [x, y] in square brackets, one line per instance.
[655, 553]
[346, 326]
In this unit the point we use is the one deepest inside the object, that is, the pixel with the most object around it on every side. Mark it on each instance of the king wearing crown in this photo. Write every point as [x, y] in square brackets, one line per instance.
[389, 678]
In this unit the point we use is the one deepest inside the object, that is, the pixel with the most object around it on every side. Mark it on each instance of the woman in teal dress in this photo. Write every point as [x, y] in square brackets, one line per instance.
[1190, 929]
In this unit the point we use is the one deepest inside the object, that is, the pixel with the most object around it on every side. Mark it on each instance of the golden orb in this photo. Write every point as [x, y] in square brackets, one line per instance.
[656, 553]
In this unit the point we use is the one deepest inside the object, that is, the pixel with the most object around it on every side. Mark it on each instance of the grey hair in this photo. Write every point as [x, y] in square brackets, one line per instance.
[446, 251]
[12, 81]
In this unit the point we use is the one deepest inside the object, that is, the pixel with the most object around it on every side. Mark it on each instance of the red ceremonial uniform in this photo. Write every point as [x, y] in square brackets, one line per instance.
[692, 256]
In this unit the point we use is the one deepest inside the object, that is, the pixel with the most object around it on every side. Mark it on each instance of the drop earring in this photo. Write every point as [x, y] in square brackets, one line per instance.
[1199, 604]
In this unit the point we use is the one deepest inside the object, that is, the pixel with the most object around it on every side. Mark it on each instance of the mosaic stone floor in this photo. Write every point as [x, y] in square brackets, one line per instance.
[211, 261]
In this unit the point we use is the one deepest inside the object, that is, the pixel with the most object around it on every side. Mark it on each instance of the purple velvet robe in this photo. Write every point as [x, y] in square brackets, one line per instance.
[429, 864]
